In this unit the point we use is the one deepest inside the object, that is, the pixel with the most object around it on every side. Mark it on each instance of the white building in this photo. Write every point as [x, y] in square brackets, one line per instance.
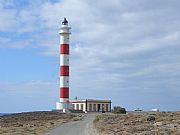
[91, 105]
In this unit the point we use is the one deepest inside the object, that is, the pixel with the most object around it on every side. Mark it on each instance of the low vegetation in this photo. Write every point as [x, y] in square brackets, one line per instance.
[141, 123]
[119, 110]
[33, 123]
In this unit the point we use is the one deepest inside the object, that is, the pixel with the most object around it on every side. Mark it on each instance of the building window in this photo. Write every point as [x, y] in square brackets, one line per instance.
[82, 107]
[94, 107]
[90, 107]
[77, 106]
[107, 108]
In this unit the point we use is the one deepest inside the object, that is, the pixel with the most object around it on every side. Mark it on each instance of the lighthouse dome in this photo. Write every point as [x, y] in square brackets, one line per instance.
[65, 22]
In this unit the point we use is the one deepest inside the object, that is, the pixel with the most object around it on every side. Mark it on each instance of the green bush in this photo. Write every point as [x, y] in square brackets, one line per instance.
[119, 110]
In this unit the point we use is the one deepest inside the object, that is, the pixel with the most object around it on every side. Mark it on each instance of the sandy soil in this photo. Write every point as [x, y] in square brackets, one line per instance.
[33, 123]
[154, 123]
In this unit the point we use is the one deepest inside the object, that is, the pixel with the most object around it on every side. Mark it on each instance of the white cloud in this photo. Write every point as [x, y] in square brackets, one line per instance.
[8, 19]
[3, 40]
[121, 32]
[118, 45]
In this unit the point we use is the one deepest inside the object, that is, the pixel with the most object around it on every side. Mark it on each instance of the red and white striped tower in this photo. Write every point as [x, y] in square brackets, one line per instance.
[64, 32]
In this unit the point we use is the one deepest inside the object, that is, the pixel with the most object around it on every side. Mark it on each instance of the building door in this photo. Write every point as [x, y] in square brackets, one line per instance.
[90, 107]
[107, 108]
[103, 108]
[82, 107]
[99, 107]
[77, 106]
[94, 107]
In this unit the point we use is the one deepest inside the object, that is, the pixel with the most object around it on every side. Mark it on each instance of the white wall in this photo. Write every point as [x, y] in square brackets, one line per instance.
[92, 108]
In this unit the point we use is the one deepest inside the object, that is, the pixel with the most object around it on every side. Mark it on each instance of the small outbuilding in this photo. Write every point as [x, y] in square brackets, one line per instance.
[91, 105]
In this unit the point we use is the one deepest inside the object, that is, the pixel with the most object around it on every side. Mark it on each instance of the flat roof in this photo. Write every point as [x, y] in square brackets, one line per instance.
[90, 100]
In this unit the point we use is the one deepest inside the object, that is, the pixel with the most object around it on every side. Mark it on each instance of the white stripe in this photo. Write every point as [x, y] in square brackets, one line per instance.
[64, 39]
[64, 81]
[64, 60]
[64, 99]
[58, 106]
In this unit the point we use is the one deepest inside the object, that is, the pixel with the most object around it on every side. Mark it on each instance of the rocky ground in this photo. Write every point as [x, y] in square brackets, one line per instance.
[151, 123]
[33, 123]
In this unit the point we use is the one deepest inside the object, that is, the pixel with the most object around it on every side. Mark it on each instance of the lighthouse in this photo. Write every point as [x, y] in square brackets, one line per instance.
[64, 32]
[64, 104]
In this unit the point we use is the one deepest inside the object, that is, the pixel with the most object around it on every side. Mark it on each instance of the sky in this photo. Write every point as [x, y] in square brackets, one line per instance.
[123, 50]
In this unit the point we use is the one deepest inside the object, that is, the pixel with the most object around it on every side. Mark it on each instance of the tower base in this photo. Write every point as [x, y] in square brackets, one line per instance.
[64, 106]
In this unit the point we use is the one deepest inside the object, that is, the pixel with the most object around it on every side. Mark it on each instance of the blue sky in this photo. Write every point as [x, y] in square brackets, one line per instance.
[123, 50]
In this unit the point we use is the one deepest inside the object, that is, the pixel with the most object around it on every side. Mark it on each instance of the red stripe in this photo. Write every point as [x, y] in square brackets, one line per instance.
[64, 71]
[64, 92]
[64, 48]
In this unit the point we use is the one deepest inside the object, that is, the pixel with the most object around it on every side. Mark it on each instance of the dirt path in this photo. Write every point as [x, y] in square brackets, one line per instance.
[83, 127]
